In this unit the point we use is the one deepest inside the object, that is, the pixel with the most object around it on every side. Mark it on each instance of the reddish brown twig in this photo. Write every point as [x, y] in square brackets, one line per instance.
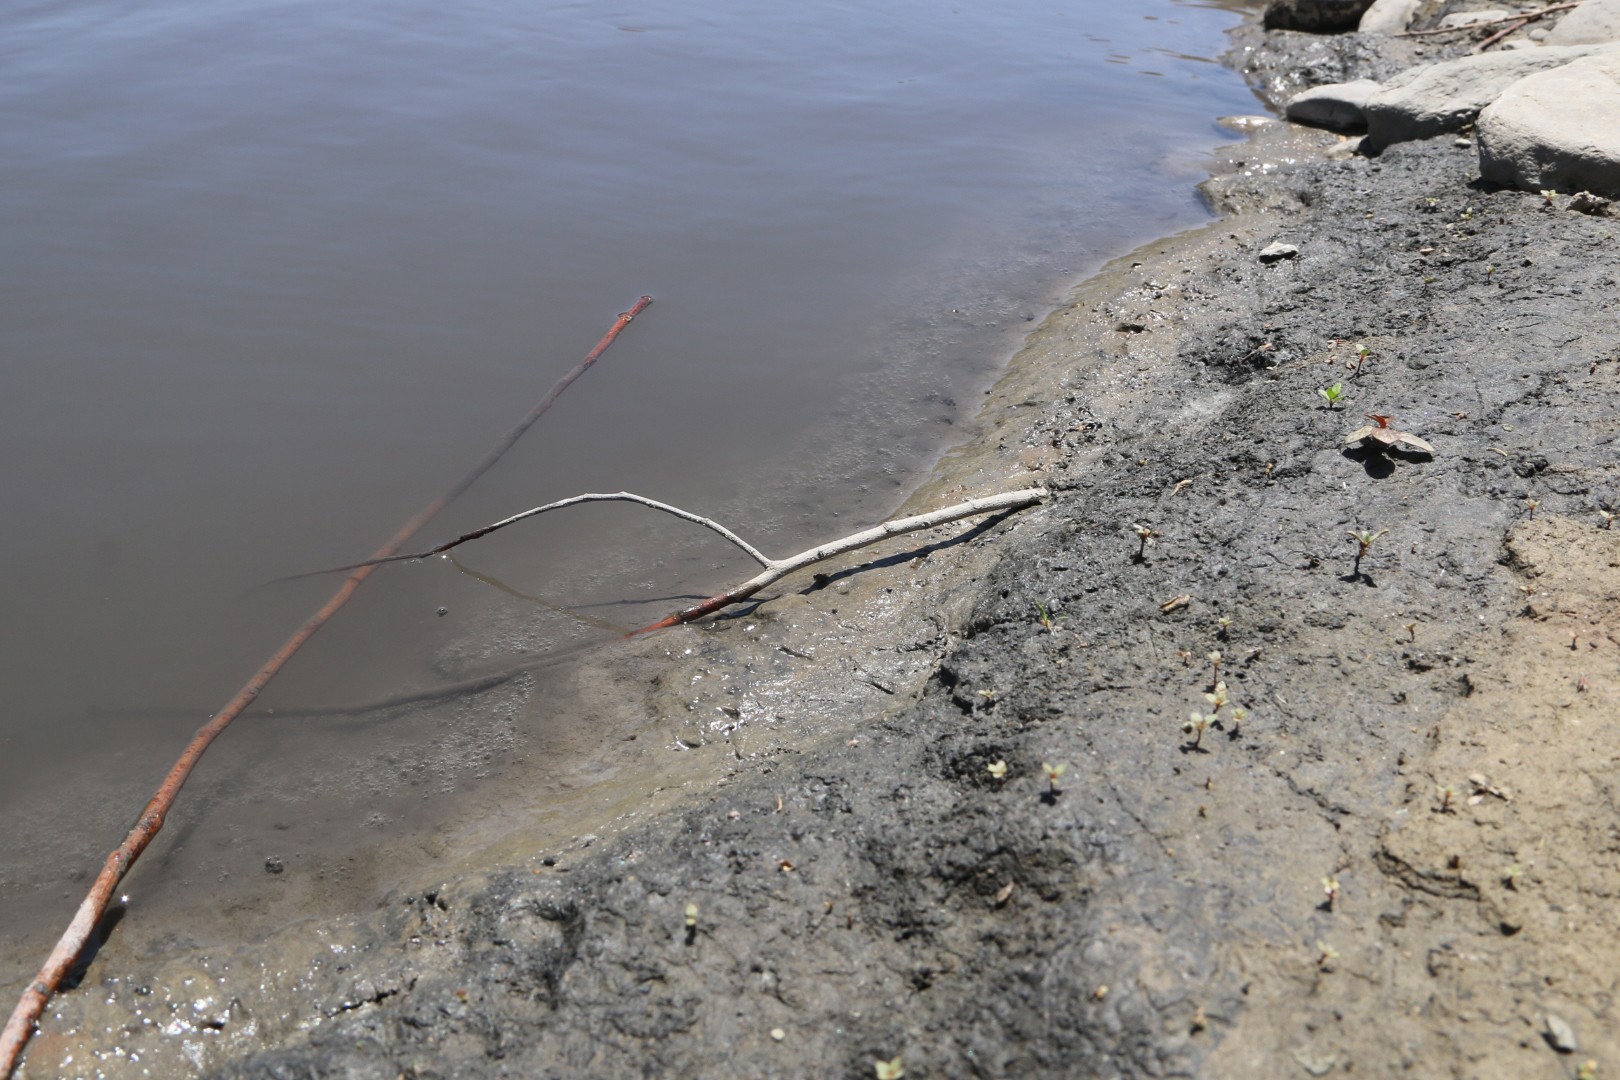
[38, 993]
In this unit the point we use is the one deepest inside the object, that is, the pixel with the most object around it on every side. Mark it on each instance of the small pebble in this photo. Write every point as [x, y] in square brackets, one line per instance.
[778, 1034]
[1560, 1036]
[443, 611]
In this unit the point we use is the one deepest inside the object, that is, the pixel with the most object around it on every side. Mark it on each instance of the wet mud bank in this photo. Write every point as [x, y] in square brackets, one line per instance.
[1012, 851]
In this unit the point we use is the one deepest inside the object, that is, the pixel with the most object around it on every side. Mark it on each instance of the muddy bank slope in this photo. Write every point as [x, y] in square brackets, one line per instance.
[1402, 858]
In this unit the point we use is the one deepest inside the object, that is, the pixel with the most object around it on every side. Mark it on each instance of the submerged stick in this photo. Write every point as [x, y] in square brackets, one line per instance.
[20, 1027]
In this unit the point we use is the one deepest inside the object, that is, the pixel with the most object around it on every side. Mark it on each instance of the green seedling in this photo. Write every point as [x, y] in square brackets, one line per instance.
[1380, 435]
[889, 1070]
[1214, 658]
[1587, 1070]
[1512, 876]
[1608, 518]
[1364, 540]
[1238, 716]
[1196, 725]
[1054, 773]
[1217, 700]
[1046, 618]
[1146, 534]
[691, 916]
[1534, 504]
[997, 770]
[1330, 886]
[1224, 624]
[1325, 956]
[1332, 394]
[1549, 196]
[1363, 354]
[1448, 795]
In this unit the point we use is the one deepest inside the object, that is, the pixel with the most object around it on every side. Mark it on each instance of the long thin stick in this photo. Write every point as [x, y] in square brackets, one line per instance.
[34, 999]
[775, 569]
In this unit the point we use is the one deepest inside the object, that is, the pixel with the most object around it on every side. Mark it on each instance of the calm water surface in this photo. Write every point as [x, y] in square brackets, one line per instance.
[276, 273]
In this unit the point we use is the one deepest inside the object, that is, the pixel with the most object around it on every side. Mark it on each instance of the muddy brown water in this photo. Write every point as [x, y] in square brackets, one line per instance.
[275, 275]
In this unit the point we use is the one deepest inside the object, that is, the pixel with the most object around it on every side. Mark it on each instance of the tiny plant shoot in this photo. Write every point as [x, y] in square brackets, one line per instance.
[1332, 394]
[1146, 535]
[889, 1070]
[997, 770]
[1047, 621]
[1364, 540]
[1330, 886]
[1448, 795]
[1238, 716]
[1054, 773]
[1196, 725]
[691, 916]
[1214, 658]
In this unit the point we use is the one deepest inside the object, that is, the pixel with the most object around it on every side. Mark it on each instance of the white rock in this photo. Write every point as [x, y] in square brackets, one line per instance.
[1593, 21]
[1469, 18]
[1560, 1035]
[1336, 105]
[1389, 16]
[1432, 99]
[1275, 252]
[1558, 129]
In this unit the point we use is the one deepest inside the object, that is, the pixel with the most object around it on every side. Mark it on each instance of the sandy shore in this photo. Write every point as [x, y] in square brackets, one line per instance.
[1401, 859]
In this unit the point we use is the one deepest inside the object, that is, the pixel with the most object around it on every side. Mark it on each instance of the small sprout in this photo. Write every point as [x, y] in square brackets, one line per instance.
[1431, 202]
[1379, 435]
[1053, 774]
[1429, 281]
[1330, 886]
[1332, 394]
[1490, 269]
[1411, 631]
[1448, 795]
[1587, 1070]
[1214, 658]
[1218, 699]
[1099, 993]
[1225, 625]
[1196, 725]
[1533, 503]
[997, 769]
[691, 916]
[1147, 535]
[1468, 213]
[1608, 517]
[1549, 195]
[1363, 354]
[1238, 716]
[1325, 955]
[1046, 618]
[889, 1070]
[1512, 876]
[1364, 540]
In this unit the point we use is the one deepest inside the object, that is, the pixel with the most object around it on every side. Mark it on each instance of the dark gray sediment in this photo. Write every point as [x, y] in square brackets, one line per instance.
[1403, 859]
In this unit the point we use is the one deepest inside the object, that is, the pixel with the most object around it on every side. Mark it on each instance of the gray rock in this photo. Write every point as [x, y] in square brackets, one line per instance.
[1594, 21]
[1315, 16]
[1278, 251]
[1557, 129]
[1559, 1035]
[1337, 105]
[1389, 16]
[1432, 99]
